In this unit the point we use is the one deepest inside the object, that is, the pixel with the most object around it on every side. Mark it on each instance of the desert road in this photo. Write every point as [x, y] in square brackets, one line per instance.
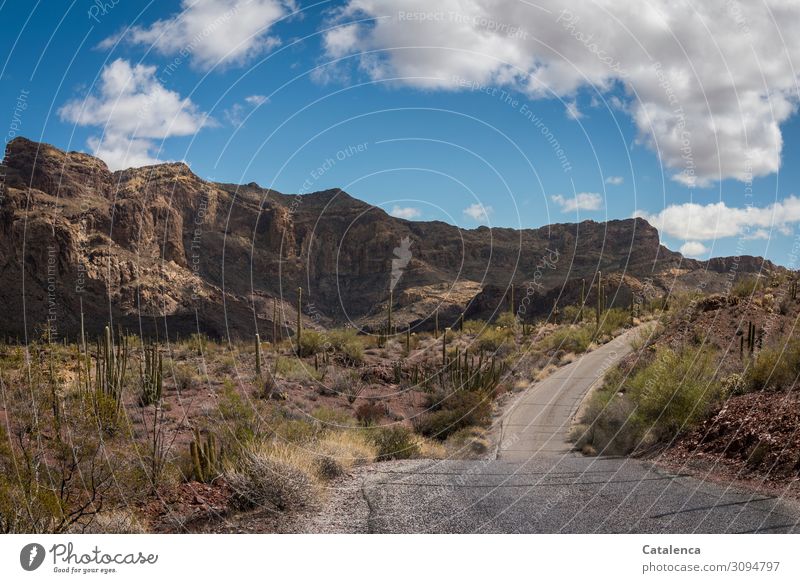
[534, 483]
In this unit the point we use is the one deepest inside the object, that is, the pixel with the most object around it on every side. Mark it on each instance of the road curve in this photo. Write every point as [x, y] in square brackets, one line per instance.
[537, 424]
[537, 484]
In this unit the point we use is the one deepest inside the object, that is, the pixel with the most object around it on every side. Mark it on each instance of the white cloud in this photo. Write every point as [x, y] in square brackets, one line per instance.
[693, 249]
[133, 109]
[256, 100]
[615, 180]
[478, 212]
[707, 84]
[407, 212]
[584, 201]
[572, 110]
[213, 32]
[235, 114]
[691, 221]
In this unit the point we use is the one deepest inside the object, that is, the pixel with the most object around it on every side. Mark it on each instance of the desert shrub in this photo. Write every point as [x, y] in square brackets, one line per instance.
[775, 367]
[457, 411]
[613, 320]
[184, 375]
[745, 287]
[474, 326]
[574, 314]
[394, 442]
[568, 338]
[294, 369]
[339, 451]
[348, 384]
[607, 426]
[331, 418]
[507, 320]
[311, 343]
[667, 395]
[197, 343]
[369, 413]
[239, 418]
[346, 343]
[491, 339]
[277, 477]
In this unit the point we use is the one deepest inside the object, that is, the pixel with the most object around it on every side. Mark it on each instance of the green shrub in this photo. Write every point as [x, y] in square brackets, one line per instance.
[294, 369]
[491, 339]
[506, 320]
[745, 287]
[664, 397]
[395, 442]
[311, 343]
[347, 343]
[774, 368]
[568, 338]
[474, 326]
[613, 320]
[453, 413]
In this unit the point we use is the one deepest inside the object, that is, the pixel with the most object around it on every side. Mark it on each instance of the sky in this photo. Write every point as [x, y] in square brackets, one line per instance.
[503, 113]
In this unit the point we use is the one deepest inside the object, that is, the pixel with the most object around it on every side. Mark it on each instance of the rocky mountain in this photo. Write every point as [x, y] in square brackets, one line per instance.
[161, 251]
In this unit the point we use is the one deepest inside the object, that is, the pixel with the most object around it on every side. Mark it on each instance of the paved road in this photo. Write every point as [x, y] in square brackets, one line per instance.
[537, 485]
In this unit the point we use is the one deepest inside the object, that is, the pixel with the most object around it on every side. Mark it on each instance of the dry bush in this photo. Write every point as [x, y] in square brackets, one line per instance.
[340, 451]
[274, 476]
[395, 442]
[370, 412]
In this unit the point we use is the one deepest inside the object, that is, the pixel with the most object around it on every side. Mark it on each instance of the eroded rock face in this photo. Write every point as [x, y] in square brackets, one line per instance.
[161, 251]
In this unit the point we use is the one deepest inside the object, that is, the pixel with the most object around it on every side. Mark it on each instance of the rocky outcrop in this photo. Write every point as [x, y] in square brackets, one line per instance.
[161, 251]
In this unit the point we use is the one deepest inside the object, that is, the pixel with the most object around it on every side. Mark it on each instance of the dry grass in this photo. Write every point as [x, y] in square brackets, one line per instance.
[275, 476]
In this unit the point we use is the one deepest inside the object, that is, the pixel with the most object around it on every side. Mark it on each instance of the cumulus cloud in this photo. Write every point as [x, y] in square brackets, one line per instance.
[691, 221]
[707, 84]
[133, 109]
[584, 201]
[212, 32]
[572, 110]
[615, 180]
[236, 113]
[478, 212]
[405, 212]
[693, 249]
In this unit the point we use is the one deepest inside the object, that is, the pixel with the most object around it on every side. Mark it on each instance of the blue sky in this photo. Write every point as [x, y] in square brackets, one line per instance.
[472, 112]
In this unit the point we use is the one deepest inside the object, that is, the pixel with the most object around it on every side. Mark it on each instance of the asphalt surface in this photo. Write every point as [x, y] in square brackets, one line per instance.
[537, 484]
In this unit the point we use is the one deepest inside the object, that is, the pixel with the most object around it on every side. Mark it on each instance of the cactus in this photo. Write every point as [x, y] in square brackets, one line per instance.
[389, 311]
[436, 324]
[444, 346]
[601, 300]
[274, 321]
[461, 322]
[205, 458]
[511, 299]
[151, 375]
[112, 363]
[299, 321]
[258, 355]
[583, 300]
[408, 340]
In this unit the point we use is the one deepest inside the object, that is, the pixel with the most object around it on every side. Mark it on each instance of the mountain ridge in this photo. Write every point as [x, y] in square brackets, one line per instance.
[161, 250]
